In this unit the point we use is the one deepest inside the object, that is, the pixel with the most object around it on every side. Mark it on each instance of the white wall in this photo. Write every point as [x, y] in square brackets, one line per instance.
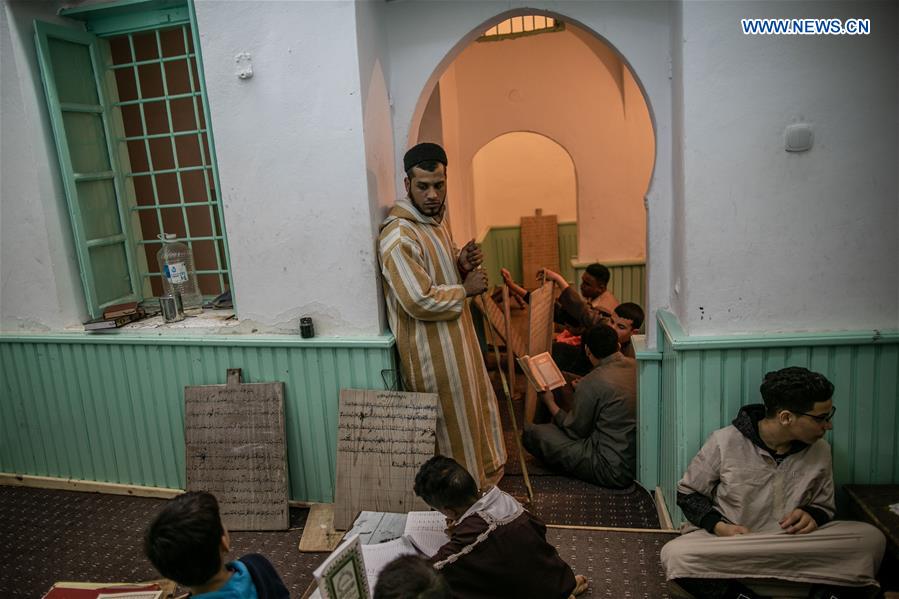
[431, 127]
[40, 288]
[789, 241]
[292, 161]
[377, 127]
[295, 182]
[761, 240]
[675, 260]
[518, 173]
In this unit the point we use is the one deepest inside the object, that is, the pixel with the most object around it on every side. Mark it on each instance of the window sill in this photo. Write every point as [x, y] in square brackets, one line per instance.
[209, 322]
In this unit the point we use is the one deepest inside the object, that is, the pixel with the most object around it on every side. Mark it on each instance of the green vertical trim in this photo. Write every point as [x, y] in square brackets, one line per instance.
[211, 139]
[649, 382]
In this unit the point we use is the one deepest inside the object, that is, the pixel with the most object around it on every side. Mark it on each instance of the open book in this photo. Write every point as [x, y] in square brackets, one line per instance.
[425, 530]
[542, 371]
[343, 575]
[352, 570]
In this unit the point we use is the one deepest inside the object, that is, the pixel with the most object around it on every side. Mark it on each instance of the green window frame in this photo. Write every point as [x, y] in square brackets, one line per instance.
[109, 219]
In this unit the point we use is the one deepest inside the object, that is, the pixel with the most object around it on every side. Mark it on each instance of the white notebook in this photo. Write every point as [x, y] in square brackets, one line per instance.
[378, 555]
[425, 530]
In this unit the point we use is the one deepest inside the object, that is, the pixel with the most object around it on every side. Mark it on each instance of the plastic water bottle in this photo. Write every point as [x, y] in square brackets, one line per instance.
[176, 263]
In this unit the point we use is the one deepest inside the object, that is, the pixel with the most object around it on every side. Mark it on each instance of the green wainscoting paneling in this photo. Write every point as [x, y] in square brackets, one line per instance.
[705, 380]
[502, 248]
[110, 408]
[567, 250]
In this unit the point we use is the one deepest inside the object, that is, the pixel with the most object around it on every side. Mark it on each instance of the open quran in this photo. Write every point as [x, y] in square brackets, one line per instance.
[351, 571]
[542, 371]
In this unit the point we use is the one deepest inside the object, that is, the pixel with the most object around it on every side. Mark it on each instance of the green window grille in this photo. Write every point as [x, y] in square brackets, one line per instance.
[128, 110]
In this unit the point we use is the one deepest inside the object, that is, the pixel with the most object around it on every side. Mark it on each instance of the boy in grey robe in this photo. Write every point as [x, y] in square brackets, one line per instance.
[597, 440]
[759, 496]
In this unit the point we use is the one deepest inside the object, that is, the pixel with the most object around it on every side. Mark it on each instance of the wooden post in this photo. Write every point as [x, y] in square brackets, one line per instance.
[510, 357]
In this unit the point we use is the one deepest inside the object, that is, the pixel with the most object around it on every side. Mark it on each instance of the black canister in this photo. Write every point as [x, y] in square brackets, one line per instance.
[171, 307]
[306, 328]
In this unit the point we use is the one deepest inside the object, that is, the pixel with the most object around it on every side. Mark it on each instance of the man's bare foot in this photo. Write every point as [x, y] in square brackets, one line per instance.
[581, 585]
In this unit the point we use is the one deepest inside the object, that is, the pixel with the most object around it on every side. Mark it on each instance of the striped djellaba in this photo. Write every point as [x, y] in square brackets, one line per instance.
[436, 340]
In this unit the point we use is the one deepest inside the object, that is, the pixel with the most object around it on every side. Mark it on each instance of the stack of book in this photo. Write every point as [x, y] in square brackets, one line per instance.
[94, 590]
[116, 316]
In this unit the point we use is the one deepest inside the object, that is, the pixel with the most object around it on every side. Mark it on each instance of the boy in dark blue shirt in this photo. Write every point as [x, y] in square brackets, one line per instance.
[187, 543]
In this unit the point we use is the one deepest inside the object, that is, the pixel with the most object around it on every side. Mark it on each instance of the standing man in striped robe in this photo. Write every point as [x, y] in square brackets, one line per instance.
[427, 283]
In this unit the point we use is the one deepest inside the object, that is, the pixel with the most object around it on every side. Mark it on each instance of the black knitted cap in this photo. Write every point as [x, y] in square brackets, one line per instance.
[422, 153]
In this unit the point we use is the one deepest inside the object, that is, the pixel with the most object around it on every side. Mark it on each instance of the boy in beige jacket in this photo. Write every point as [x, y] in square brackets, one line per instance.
[760, 498]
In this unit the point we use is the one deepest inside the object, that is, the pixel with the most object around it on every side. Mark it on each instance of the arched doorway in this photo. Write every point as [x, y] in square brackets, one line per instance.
[571, 86]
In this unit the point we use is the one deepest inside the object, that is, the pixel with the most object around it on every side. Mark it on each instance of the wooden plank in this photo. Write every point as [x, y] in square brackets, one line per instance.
[88, 486]
[612, 529]
[662, 509]
[510, 333]
[310, 590]
[495, 316]
[539, 246]
[319, 533]
[540, 332]
[383, 438]
[235, 449]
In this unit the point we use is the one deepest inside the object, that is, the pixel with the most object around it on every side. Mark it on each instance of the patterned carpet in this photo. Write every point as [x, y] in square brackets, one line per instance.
[561, 500]
[47, 536]
[617, 564]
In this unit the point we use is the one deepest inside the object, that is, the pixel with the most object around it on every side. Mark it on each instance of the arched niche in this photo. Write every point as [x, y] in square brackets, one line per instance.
[518, 172]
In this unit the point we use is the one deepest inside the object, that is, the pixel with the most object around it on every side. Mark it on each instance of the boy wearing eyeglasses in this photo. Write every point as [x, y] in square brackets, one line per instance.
[759, 497]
